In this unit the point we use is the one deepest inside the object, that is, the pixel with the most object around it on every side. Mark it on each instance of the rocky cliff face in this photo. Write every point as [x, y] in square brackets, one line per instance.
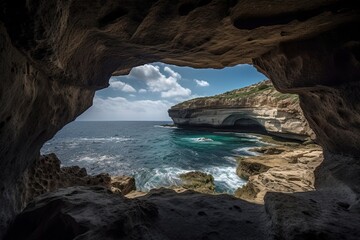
[55, 54]
[46, 175]
[258, 107]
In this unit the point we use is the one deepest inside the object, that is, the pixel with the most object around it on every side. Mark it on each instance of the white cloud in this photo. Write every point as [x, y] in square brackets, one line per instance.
[201, 83]
[158, 82]
[119, 108]
[142, 90]
[176, 92]
[119, 85]
[172, 73]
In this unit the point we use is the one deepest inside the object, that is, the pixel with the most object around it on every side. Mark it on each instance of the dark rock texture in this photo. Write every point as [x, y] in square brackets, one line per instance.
[161, 214]
[70, 214]
[55, 54]
[46, 175]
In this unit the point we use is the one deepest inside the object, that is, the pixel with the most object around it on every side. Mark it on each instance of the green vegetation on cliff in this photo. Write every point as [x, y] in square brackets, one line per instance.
[262, 93]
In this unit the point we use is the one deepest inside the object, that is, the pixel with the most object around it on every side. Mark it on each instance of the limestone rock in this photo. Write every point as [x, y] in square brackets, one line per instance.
[257, 108]
[125, 184]
[46, 175]
[256, 165]
[282, 169]
[198, 181]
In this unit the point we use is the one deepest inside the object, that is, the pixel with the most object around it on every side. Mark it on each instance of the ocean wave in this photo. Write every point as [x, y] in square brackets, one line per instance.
[95, 158]
[230, 159]
[245, 151]
[161, 126]
[225, 178]
[103, 139]
[203, 140]
[147, 179]
[245, 135]
[248, 135]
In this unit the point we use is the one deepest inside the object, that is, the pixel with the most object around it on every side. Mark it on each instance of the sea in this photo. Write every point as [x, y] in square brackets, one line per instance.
[152, 153]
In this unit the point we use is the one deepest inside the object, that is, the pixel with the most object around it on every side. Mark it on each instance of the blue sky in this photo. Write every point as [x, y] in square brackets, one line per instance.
[151, 89]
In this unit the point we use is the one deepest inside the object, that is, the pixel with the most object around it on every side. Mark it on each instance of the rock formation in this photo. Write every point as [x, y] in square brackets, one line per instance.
[162, 214]
[122, 184]
[46, 175]
[280, 169]
[55, 54]
[257, 108]
[198, 181]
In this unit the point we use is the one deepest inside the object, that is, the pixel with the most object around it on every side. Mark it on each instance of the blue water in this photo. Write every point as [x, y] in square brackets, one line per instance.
[153, 154]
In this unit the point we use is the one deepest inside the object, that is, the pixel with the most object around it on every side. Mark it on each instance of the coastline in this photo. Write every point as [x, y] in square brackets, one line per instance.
[280, 162]
[283, 166]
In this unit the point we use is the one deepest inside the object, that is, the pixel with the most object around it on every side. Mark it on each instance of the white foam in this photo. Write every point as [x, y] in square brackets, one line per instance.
[104, 139]
[226, 178]
[245, 151]
[161, 126]
[160, 177]
[95, 158]
[203, 140]
[248, 135]
[230, 159]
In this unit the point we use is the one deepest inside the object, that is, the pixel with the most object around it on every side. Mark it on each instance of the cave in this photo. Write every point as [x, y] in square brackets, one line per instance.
[248, 125]
[244, 124]
[56, 54]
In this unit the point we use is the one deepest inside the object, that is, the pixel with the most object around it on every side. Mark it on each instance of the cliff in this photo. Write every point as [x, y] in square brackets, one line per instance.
[256, 108]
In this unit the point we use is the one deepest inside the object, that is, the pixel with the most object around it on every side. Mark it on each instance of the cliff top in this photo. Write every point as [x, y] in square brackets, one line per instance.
[257, 95]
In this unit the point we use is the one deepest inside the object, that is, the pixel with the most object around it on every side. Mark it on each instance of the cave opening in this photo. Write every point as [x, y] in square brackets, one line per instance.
[126, 130]
[49, 77]
[249, 125]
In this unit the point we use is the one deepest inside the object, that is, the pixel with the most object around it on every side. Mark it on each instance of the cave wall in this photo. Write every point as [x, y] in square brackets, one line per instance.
[325, 72]
[33, 107]
[55, 54]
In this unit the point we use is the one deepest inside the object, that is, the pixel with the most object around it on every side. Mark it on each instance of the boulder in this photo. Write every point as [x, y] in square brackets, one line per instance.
[198, 181]
[125, 184]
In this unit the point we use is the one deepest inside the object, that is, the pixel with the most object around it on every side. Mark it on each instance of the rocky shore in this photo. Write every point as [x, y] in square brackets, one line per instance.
[46, 175]
[284, 167]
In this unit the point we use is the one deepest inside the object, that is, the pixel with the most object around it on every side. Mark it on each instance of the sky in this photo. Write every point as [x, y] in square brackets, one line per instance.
[148, 91]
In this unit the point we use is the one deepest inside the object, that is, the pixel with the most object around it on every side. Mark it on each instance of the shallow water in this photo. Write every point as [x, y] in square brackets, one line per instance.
[153, 154]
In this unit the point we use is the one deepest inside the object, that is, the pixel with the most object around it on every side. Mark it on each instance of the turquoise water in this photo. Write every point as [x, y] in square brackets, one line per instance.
[153, 154]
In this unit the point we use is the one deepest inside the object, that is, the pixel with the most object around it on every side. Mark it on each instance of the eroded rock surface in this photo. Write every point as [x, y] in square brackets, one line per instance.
[198, 181]
[282, 169]
[46, 175]
[125, 184]
[258, 108]
[313, 215]
[96, 213]
[86, 213]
